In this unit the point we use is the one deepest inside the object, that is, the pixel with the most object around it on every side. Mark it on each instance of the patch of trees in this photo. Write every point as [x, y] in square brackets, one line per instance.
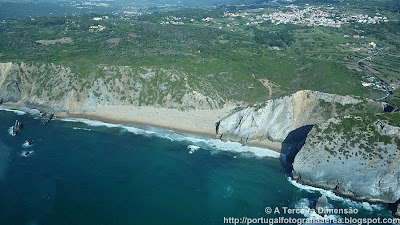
[278, 38]
[383, 31]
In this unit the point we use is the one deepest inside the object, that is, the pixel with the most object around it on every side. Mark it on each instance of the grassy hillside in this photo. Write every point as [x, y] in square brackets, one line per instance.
[221, 57]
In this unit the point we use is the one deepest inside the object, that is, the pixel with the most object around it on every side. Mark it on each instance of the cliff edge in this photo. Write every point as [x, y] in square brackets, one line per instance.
[59, 88]
[275, 119]
[356, 156]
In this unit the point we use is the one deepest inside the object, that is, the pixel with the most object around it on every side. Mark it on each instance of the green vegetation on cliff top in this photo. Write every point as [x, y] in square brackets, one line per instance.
[359, 131]
[241, 56]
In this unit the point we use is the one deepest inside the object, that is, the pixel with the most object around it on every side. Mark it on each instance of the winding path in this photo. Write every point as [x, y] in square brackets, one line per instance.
[385, 85]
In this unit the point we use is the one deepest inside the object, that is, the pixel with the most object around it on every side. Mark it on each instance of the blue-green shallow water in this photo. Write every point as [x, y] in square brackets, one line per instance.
[112, 176]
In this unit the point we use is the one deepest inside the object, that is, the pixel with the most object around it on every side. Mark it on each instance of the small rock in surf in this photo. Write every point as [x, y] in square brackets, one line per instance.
[16, 128]
[192, 148]
[26, 153]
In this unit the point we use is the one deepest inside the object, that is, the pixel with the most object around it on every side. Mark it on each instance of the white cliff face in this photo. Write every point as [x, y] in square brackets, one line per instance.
[354, 156]
[388, 130]
[272, 121]
[357, 156]
[58, 88]
[278, 117]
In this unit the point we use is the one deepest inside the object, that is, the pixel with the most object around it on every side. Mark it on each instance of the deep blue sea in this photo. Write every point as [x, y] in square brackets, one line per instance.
[82, 172]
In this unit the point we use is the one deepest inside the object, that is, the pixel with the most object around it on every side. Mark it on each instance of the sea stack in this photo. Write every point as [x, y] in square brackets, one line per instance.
[321, 205]
[17, 127]
[47, 118]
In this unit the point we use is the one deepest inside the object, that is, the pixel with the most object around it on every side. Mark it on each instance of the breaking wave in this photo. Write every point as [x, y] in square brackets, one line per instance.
[333, 196]
[26, 144]
[192, 148]
[203, 142]
[10, 131]
[312, 214]
[26, 153]
[19, 110]
[80, 128]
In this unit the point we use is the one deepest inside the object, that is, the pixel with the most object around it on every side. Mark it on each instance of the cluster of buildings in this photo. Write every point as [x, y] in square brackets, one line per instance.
[98, 27]
[87, 4]
[369, 20]
[310, 16]
[173, 20]
[371, 82]
[100, 18]
[292, 14]
[131, 13]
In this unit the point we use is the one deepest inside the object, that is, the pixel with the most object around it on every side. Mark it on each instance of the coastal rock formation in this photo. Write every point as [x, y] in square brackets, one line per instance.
[47, 117]
[275, 119]
[356, 156]
[321, 204]
[16, 128]
[57, 88]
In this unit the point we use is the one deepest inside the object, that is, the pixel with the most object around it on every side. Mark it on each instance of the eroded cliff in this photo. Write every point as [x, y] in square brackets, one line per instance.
[357, 156]
[275, 119]
[60, 88]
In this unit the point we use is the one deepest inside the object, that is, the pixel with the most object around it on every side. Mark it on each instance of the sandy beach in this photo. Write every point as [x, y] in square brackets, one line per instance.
[199, 121]
[195, 122]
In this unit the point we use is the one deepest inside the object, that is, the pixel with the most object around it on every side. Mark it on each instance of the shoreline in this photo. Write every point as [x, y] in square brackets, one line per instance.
[127, 122]
[200, 122]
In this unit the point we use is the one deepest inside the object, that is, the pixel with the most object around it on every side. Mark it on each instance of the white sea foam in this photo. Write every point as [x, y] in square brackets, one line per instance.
[93, 123]
[304, 187]
[192, 148]
[80, 128]
[333, 196]
[26, 153]
[26, 144]
[10, 131]
[203, 142]
[96, 123]
[167, 136]
[312, 214]
[162, 133]
[142, 131]
[19, 110]
[207, 143]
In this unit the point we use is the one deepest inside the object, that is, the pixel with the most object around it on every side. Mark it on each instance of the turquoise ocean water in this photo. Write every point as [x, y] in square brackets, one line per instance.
[89, 172]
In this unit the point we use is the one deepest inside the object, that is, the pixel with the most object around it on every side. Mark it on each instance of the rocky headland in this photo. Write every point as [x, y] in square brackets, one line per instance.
[275, 119]
[356, 156]
[340, 143]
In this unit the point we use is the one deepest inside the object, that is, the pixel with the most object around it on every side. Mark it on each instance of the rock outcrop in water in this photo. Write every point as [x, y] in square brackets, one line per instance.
[275, 119]
[321, 205]
[47, 118]
[16, 128]
[356, 156]
[398, 210]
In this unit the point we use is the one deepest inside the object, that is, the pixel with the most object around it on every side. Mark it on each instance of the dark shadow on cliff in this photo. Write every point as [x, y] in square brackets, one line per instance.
[393, 207]
[292, 145]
